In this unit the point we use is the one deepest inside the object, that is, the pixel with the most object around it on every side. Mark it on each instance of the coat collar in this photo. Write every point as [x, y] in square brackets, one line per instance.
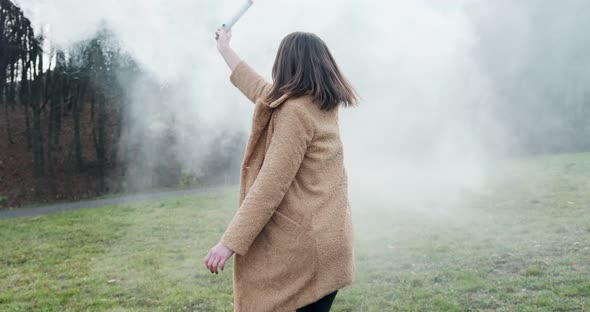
[274, 103]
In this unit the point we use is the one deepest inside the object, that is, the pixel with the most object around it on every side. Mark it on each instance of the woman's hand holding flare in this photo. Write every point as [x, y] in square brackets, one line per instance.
[223, 37]
[217, 257]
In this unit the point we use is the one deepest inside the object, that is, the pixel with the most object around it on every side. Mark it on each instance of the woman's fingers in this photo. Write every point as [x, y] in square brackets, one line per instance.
[207, 257]
[210, 263]
[222, 31]
[222, 263]
[215, 264]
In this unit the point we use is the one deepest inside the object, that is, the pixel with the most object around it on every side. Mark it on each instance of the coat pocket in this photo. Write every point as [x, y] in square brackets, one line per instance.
[287, 225]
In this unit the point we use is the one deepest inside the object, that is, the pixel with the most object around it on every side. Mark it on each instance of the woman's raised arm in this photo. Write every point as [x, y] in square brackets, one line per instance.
[229, 55]
[252, 84]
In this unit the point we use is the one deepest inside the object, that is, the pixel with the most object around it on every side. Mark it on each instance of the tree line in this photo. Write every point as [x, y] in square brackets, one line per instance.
[85, 75]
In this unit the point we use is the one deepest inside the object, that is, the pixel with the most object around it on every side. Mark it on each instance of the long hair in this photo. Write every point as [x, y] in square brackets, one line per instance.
[305, 66]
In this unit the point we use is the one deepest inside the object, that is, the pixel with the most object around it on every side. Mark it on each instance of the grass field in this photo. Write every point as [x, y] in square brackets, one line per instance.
[522, 244]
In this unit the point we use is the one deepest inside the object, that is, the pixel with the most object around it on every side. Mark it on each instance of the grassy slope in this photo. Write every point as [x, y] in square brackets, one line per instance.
[522, 245]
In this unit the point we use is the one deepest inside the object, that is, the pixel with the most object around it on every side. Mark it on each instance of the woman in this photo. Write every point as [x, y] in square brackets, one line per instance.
[292, 234]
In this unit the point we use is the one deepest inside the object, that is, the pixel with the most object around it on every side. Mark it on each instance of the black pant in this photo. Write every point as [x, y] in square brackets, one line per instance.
[322, 305]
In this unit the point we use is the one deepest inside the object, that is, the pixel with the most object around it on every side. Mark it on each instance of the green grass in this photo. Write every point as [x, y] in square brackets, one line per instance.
[520, 244]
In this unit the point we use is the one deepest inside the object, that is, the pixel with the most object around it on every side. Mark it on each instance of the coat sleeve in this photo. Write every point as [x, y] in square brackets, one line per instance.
[249, 82]
[293, 132]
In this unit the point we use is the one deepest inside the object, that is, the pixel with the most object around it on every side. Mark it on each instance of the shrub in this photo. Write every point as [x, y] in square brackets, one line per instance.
[188, 179]
[3, 200]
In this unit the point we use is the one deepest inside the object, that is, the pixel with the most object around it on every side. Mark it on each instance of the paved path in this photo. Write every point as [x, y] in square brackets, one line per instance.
[40, 210]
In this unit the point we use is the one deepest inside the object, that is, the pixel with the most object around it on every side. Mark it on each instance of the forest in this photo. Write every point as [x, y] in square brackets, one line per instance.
[63, 125]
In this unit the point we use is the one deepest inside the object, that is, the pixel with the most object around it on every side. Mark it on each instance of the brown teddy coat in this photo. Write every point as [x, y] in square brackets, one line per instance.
[292, 234]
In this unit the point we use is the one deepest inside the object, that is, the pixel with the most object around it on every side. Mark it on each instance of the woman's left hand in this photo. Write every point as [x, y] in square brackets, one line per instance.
[217, 257]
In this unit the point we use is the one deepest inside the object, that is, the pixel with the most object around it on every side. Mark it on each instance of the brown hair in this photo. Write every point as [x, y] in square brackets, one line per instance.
[305, 66]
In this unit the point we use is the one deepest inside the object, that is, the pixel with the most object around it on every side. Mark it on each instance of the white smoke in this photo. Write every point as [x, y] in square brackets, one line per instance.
[424, 131]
